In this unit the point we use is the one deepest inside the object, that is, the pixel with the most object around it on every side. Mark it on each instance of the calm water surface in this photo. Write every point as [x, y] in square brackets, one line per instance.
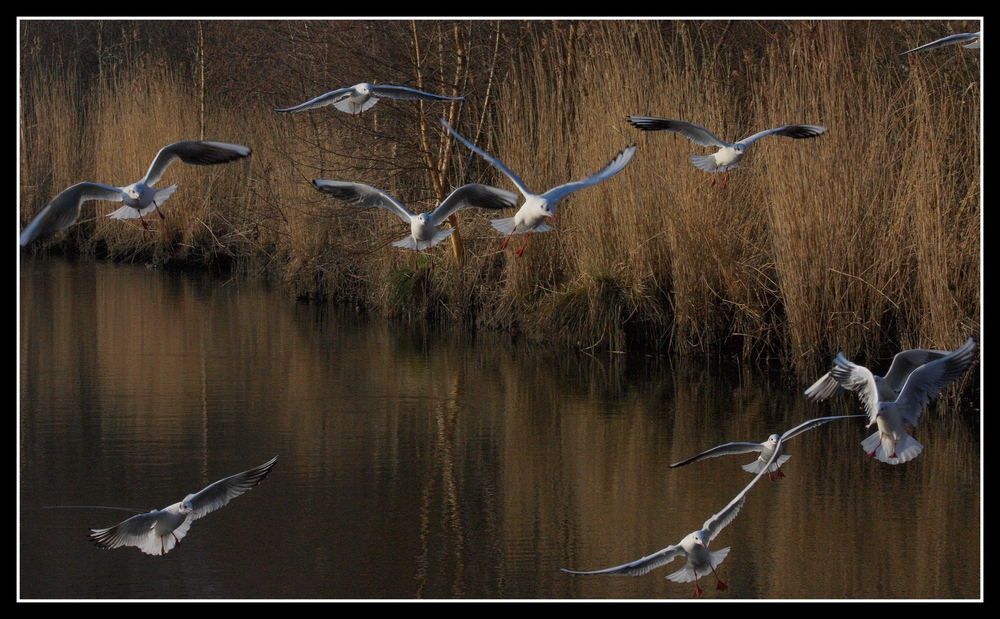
[437, 465]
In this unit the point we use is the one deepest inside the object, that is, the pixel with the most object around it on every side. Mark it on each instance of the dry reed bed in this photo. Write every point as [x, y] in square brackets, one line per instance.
[866, 238]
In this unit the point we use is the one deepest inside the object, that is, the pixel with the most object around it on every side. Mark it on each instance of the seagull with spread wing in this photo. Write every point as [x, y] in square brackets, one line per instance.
[539, 207]
[892, 444]
[423, 227]
[360, 97]
[157, 532]
[140, 198]
[699, 560]
[766, 449]
[729, 154]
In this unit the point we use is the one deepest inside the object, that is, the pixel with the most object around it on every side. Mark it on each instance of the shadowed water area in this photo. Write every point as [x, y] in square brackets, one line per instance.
[418, 463]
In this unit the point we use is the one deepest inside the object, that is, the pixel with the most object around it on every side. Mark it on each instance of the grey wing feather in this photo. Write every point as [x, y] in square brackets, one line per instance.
[696, 133]
[949, 40]
[359, 194]
[325, 99]
[194, 152]
[130, 532]
[722, 450]
[928, 380]
[854, 377]
[905, 362]
[639, 566]
[789, 131]
[64, 210]
[493, 160]
[812, 423]
[615, 166]
[822, 389]
[221, 492]
[402, 92]
[472, 194]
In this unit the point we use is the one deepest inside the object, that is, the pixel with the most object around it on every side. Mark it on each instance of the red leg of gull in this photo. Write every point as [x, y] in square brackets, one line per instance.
[162, 552]
[725, 178]
[143, 220]
[779, 474]
[507, 240]
[719, 585]
[176, 540]
[521, 251]
[697, 590]
[770, 475]
[872, 454]
[712, 184]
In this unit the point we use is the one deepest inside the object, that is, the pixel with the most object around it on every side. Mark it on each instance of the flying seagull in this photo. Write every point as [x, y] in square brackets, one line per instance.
[891, 443]
[140, 197]
[423, 227]
[158, 531]
[536, 208]
[360, 97]
[729, 154]
[699, 560]
[766, 449]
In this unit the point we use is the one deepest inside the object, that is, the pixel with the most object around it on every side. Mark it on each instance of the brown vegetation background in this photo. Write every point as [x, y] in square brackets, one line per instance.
[866, 239]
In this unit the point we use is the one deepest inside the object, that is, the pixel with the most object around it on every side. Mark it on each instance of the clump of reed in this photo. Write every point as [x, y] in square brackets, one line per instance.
[864, 239]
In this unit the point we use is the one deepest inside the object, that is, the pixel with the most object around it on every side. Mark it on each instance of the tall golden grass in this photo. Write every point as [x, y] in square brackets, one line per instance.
[864, 239]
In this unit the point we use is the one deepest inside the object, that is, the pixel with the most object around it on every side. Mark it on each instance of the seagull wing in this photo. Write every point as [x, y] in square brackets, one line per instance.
[823, 388]
[812, 423]
[135, 531]
[193, 152]
[328, 99]
[928, 380]
[798, 132]
[905, 362]
[949, 40]
[616, 165]
[719, 521]
[696, 133]
[493, 160]
[728, 449]
[402, 92]
[854, 377]
[64, 210]
[221, 492]
[364, 195]
[640, 566]
[472, 194]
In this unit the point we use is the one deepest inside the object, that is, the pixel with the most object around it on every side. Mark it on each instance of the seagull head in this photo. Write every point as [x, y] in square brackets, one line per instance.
[548, 209]
[363, 89]
[187, 508]
[696, 538]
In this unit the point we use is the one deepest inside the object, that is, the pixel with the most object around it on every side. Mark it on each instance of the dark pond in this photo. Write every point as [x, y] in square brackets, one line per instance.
[421, 464]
